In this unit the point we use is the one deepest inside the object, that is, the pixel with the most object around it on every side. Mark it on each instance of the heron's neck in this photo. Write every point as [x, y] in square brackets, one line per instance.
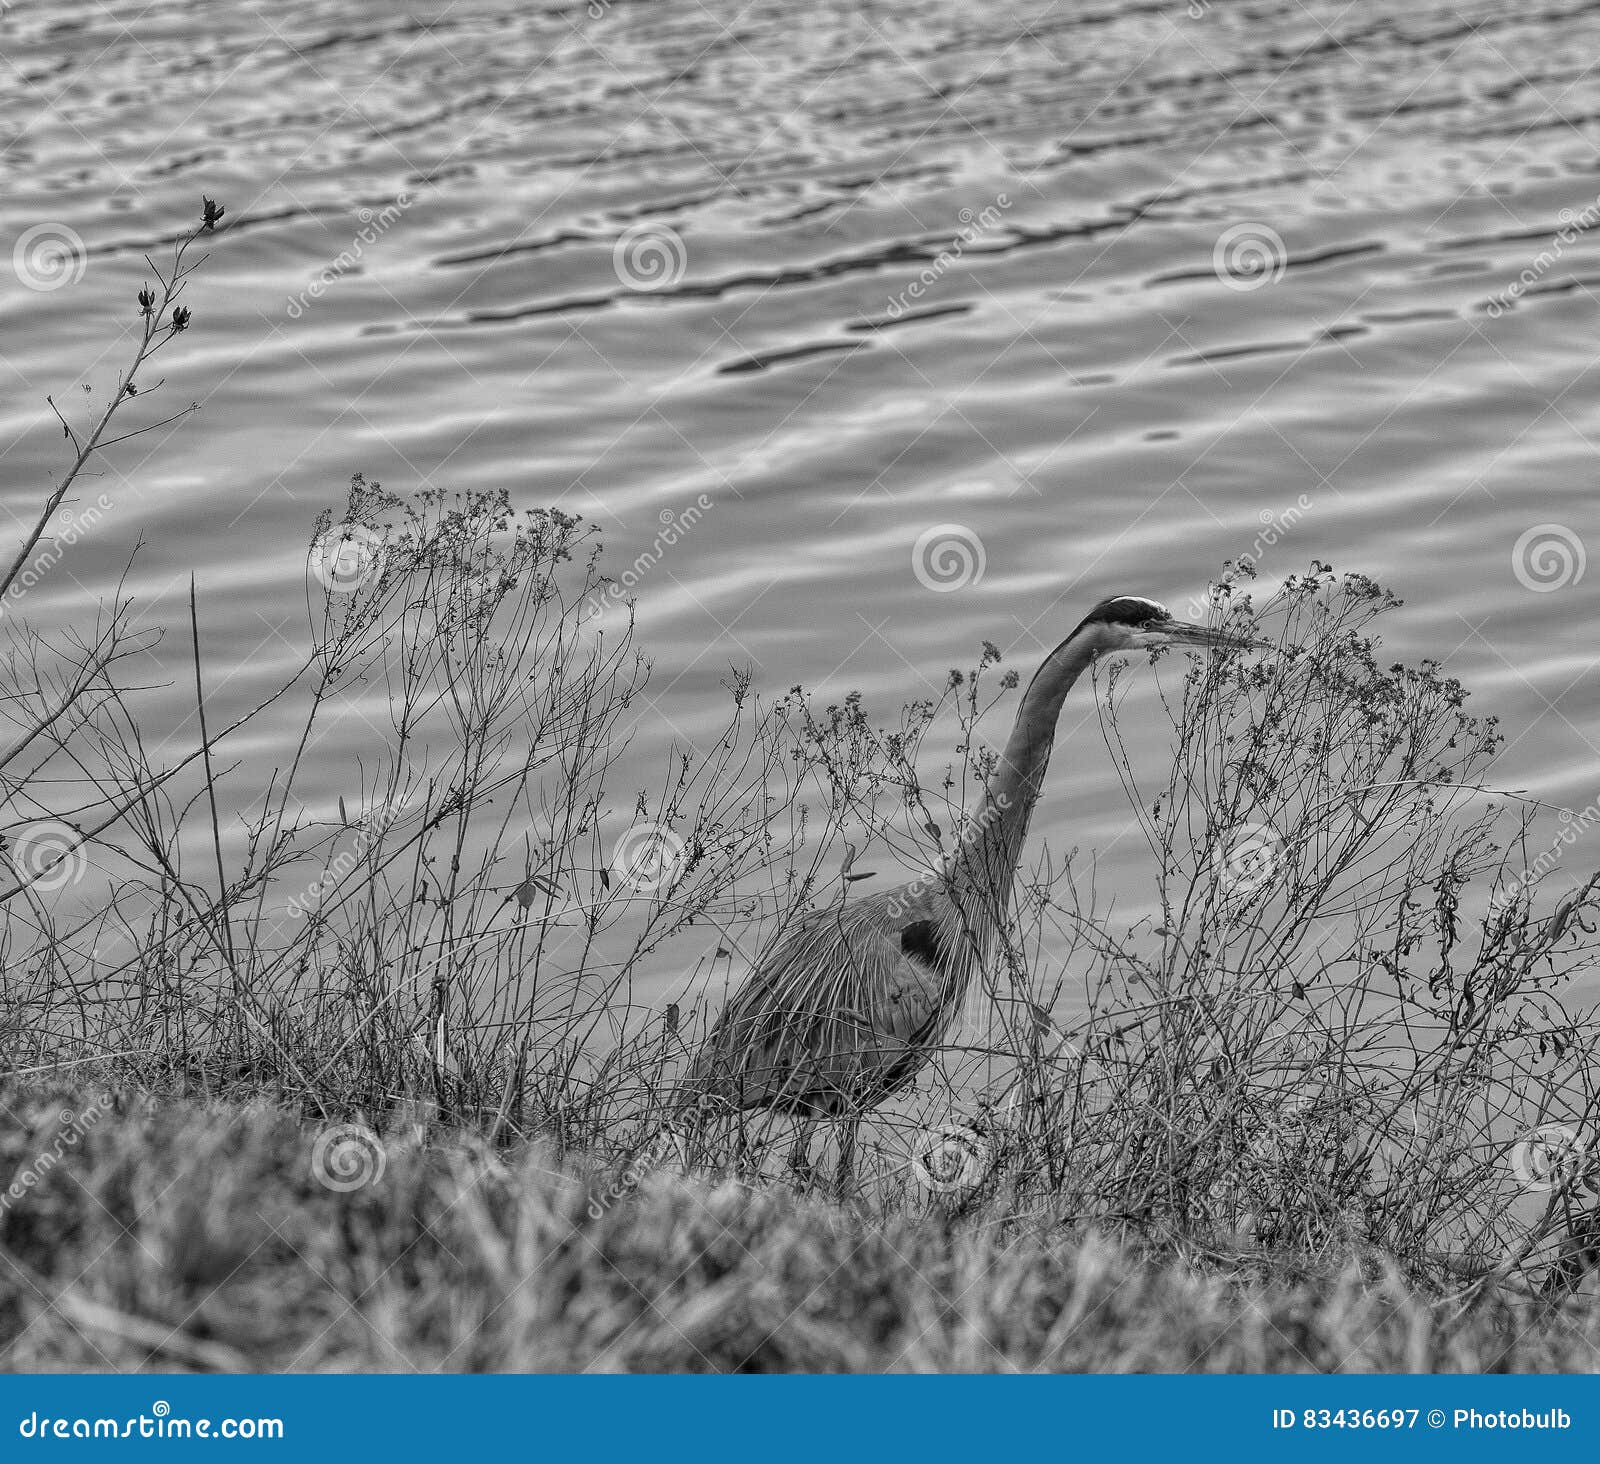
[986, 862]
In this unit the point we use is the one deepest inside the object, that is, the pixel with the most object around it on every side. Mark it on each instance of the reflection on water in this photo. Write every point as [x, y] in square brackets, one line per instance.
[1097, 296]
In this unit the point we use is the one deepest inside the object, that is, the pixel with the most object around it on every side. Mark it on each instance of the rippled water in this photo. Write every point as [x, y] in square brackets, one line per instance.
[852, 272]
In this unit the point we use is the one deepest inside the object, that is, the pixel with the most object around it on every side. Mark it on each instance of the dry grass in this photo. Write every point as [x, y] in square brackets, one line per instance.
[184, 1236]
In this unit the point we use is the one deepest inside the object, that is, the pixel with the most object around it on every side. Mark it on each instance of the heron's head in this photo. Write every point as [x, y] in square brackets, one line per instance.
[1131, 623]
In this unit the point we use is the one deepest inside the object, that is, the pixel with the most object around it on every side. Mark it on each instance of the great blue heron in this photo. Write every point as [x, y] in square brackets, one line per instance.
[854, 998]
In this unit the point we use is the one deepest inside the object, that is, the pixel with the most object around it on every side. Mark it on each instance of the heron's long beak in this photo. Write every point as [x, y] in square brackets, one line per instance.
[1186, 633]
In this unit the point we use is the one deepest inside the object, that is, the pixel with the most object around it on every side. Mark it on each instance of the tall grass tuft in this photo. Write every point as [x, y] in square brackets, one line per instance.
[185, 1236]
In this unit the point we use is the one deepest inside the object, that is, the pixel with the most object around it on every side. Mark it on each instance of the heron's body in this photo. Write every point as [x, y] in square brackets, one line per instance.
[853, 999]
[845, 1009]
